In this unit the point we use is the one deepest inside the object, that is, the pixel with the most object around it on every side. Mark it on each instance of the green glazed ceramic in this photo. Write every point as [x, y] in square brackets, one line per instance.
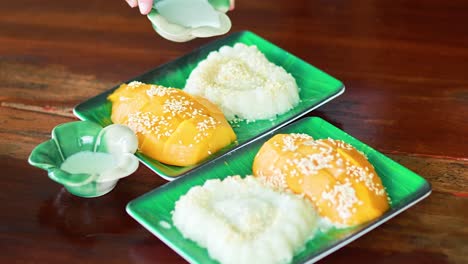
[316, 89]
[96, 158]
[153, 210]
[168, 25]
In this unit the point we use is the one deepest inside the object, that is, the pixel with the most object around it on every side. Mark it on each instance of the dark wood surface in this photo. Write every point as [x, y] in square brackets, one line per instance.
[404, 63]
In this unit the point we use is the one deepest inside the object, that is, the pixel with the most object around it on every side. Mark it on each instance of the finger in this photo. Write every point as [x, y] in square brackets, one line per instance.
[145, 6]
[132, 3]
[232, 4]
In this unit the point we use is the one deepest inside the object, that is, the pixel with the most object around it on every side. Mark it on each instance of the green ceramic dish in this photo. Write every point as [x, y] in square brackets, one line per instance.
[317, 88]
[404, 187]
[84, 137]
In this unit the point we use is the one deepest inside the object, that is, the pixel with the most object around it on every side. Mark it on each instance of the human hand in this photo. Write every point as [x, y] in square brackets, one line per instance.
[144, 5]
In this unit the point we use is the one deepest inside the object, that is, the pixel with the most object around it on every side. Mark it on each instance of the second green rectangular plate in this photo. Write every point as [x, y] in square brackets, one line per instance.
[316, 88]
[404, 187]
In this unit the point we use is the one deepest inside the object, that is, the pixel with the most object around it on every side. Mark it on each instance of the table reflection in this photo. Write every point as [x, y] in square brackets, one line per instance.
[83, 220]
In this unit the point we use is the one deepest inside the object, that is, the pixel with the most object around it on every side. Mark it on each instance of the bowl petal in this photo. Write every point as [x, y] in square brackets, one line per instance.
[76, 136]
[172, 37]
[204, 32]
[46, 155]
[127, 164]
[116, 139]
[68, 179]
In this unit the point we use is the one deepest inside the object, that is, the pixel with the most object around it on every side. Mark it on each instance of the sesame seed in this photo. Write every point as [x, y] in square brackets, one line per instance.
[160, 91]
[134, 84]
[342, 197]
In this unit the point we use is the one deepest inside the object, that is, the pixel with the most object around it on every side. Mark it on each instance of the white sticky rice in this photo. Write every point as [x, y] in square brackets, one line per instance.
[244, 221]
[244, 84]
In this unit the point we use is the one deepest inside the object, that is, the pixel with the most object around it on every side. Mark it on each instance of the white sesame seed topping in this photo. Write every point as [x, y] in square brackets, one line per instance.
[343, 198]
[160, 91]
[134, 84]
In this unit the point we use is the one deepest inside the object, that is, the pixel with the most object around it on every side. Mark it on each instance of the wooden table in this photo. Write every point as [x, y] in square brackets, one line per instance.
[404, 63]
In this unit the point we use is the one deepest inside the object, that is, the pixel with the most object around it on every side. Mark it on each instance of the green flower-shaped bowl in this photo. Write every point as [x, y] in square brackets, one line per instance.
[169, 29]
[87, 159]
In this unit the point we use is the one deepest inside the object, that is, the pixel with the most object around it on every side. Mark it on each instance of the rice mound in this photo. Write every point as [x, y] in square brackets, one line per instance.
[244, 221]
[244, 84]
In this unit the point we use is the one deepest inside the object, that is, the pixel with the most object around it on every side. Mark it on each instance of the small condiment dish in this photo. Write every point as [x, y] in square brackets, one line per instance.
[184, 20]
[87, 159]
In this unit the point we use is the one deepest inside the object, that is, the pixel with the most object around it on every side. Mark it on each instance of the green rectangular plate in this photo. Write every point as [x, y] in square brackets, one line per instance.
[404, 187]
[316, 87]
